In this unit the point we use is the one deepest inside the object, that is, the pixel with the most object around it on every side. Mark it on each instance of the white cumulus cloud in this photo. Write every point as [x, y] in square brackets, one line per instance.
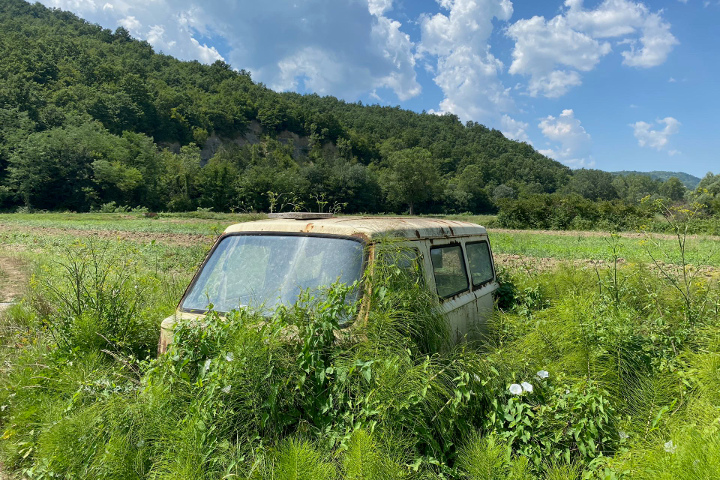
[572, 142]
[545, 49]
[514, 129]
[658, 139]
[206, 54]
[379, 7]
[553, 52]
[465, 69]
[656, 44]
[339, 47]
[131, 23]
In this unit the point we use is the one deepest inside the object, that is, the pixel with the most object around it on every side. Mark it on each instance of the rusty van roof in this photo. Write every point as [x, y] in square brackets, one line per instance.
[365, 227]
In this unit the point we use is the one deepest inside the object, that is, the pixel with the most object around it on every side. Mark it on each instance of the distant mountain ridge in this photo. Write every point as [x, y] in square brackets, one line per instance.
[690, 181]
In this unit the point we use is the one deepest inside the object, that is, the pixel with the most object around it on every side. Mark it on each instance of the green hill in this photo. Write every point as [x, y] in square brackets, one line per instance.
[690, 181]
[91, 116]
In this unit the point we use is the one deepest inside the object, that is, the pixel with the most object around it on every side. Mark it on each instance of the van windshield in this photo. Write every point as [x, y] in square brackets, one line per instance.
[265, 271]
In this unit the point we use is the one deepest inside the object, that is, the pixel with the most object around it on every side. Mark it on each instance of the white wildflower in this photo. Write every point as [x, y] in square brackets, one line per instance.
[477, 377]
[527, 387]
[227, 389]
[207, 364]
[229, 356]
[623, 435]
[543, 374]
[515, 389]
[670, 447]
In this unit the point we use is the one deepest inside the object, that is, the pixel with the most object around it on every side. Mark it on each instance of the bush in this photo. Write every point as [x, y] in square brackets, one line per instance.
[96, 298]
[564, 212]
[112, 207]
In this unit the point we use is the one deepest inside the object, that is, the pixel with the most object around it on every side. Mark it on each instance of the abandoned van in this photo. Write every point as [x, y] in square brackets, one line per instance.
[266, 263]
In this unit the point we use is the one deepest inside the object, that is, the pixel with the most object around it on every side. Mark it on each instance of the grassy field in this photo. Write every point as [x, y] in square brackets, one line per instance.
[632, 248]
[204, 223]
[617, 368]
[191, 223]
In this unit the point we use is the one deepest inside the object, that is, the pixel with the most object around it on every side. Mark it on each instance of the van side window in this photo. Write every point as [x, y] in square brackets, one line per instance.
[449, 270]
[480, 263]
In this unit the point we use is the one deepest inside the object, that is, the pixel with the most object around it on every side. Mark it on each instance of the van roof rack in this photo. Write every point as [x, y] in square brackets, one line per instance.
[300, 215]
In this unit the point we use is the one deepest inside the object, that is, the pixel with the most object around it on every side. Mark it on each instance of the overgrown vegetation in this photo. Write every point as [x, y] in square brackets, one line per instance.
[603, 372]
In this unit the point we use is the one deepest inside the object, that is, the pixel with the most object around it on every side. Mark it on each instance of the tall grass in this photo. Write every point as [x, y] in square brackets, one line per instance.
[586, 374]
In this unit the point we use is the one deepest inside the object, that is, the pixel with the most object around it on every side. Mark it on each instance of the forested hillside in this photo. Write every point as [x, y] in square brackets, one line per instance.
[90, 116]
[93, 119]
[690, 181]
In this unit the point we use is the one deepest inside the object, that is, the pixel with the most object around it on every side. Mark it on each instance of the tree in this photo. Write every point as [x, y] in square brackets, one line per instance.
[180, 177]
[53, 169]
[412, 177]
[673, 189]
[466, 193]
[15, 126]
[217, 185]
[634, 187]
[592, 184]
[708, 192]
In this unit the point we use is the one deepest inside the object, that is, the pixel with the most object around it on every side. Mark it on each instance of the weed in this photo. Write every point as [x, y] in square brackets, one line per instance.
[590, 373]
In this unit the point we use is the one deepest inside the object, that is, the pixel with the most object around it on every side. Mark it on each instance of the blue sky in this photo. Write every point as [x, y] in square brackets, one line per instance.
[612, 84]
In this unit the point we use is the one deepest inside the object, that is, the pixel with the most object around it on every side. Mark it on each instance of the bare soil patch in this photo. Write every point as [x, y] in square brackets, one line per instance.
[180, 239]
[539, 264]
[593, 233]
[13, 278]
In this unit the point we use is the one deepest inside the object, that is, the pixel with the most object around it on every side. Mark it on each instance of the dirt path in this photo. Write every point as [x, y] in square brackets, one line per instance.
[592, 233]
[180, 239]
[539, 264]
[13, 278]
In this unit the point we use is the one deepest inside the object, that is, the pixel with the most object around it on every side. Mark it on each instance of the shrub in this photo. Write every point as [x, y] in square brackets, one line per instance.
[96, 298]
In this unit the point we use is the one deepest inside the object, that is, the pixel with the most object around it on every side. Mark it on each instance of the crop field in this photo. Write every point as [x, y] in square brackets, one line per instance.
[601, 361]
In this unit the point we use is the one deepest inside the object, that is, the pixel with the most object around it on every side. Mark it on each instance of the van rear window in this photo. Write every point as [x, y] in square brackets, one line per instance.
[449, 270]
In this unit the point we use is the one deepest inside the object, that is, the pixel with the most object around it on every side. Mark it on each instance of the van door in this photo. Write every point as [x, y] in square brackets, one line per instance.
[464, 288]
[448, 276]
[482, 279]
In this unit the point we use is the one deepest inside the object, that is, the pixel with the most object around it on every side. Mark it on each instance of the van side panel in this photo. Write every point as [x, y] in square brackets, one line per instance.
[468, 311]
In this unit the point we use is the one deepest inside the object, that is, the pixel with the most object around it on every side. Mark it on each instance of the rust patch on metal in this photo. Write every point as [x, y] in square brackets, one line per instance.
[361, 236]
